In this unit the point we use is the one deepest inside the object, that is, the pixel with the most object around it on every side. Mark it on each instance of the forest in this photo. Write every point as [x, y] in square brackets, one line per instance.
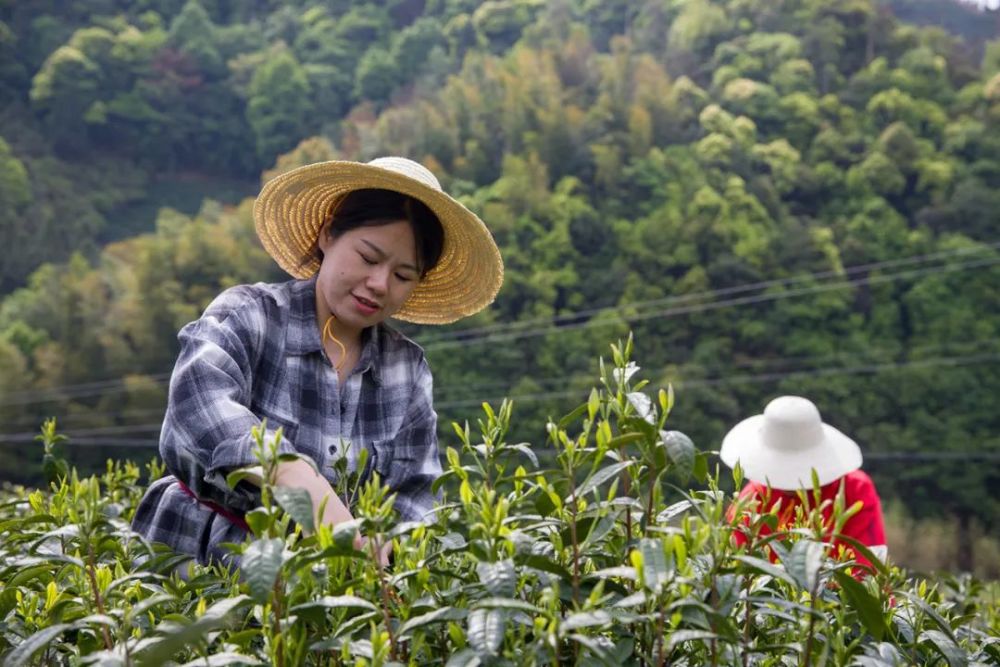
[774, 196]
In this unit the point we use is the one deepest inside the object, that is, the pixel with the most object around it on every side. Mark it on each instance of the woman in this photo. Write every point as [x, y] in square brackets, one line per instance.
[780, 450]
[314, 356]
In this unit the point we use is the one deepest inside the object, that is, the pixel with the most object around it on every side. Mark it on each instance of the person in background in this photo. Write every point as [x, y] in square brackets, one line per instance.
[315, 356]
[779, 451]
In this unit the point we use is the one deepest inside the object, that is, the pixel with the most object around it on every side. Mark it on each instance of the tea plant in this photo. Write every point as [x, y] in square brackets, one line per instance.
[589, 550]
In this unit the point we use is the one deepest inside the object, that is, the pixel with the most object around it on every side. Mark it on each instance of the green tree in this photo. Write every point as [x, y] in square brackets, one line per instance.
[13, 74]
[279, 109]
[991, 59]
[499, 23]
[377, 76]
[65, 87]
[697, 26]
[193, 33]
[412, 46]
[15, 196]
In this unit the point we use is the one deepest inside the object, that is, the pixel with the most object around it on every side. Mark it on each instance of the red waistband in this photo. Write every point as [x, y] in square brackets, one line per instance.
[234, 517]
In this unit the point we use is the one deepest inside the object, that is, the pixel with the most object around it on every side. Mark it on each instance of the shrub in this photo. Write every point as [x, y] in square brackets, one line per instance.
[598, 558]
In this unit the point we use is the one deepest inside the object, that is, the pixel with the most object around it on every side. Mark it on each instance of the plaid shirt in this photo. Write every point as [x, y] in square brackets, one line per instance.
[256, 354]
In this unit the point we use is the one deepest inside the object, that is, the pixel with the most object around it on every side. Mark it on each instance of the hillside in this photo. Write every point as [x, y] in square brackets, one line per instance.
[776, 197]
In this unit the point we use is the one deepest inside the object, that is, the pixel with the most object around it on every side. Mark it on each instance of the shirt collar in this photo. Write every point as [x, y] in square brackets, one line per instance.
[302, 336]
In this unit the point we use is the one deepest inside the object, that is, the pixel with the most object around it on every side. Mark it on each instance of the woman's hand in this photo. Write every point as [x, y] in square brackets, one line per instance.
[299, 474]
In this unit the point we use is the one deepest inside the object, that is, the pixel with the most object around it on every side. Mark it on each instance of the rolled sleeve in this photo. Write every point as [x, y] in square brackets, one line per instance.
[207, 428]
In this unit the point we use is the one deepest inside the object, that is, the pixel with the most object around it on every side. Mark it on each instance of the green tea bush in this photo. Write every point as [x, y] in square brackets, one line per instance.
[599, 558]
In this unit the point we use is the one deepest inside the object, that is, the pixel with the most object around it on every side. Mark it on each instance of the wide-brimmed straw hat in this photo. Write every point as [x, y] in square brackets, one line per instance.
[292, 207]
[785, 444]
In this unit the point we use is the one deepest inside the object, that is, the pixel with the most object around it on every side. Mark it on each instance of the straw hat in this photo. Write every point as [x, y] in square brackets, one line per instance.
[785, 444]
[291, 208]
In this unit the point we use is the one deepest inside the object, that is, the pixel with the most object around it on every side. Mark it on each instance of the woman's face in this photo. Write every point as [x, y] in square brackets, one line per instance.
[367, 274]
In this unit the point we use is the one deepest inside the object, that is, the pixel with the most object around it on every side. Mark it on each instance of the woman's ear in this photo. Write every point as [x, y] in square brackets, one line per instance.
[324, 239]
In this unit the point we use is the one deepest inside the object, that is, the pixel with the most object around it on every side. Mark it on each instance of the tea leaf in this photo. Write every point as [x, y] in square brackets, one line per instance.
[766, 567]
[601, 648]
[485, 629]
[804, 562]
[930, 611]
[252, 474]
[464, 658]
[642, 404]
[877, 563]
[600, 477]
[151, 602]
[500, 578]
[452, 541]
[24, 651]
[681, 451]
[260, 564]
[593, 404]
[441, 615]
[700, 471]
[673, 511]
[223, 659]
[864, 603]
[259, 520]
[525, 449]
[603, 527]
[508, 603]
[344, 534]
[681, 636]
[946, 646]
[545, 565]
[584, 619]
[177, 635]
[298, 504]
[571, 416]
[655, 569]
[336, 602]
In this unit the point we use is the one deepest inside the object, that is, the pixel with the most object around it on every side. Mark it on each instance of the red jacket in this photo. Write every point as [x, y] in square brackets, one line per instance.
[866, 526]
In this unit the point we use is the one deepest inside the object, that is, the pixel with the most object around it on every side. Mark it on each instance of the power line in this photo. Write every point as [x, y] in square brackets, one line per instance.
[115, 442]
[89, 417]
[83, 433]
[93, 385]
[102, 430]
[572, 317]
[754, 379]
[85, 437]
[105, 388]
[109, 387]
[711, 305]
[932, 456]
[582, 376]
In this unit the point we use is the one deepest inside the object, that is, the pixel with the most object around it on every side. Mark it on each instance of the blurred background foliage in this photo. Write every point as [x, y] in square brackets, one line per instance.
[776, 196]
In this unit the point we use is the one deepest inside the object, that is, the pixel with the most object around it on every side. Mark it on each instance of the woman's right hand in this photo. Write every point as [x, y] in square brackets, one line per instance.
[299, 474]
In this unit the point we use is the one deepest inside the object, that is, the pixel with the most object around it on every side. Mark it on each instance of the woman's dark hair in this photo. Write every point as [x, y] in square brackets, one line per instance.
[373, 208]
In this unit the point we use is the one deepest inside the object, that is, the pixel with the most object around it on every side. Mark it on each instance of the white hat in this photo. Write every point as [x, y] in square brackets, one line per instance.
[785, 444]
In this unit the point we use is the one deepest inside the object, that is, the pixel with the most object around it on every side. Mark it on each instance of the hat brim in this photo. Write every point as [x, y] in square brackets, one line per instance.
[832, 457]
[291, 208]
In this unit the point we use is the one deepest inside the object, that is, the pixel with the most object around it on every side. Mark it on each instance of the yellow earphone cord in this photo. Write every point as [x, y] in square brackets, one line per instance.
[328, 333]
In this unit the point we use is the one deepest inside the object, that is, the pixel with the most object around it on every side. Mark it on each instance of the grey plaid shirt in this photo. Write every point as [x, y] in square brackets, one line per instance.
[256, 354]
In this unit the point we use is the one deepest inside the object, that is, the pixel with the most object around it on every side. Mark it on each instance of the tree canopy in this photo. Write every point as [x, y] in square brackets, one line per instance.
[776, 197]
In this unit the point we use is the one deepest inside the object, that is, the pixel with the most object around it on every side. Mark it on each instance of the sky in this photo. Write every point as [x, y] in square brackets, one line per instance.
[992, 4]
